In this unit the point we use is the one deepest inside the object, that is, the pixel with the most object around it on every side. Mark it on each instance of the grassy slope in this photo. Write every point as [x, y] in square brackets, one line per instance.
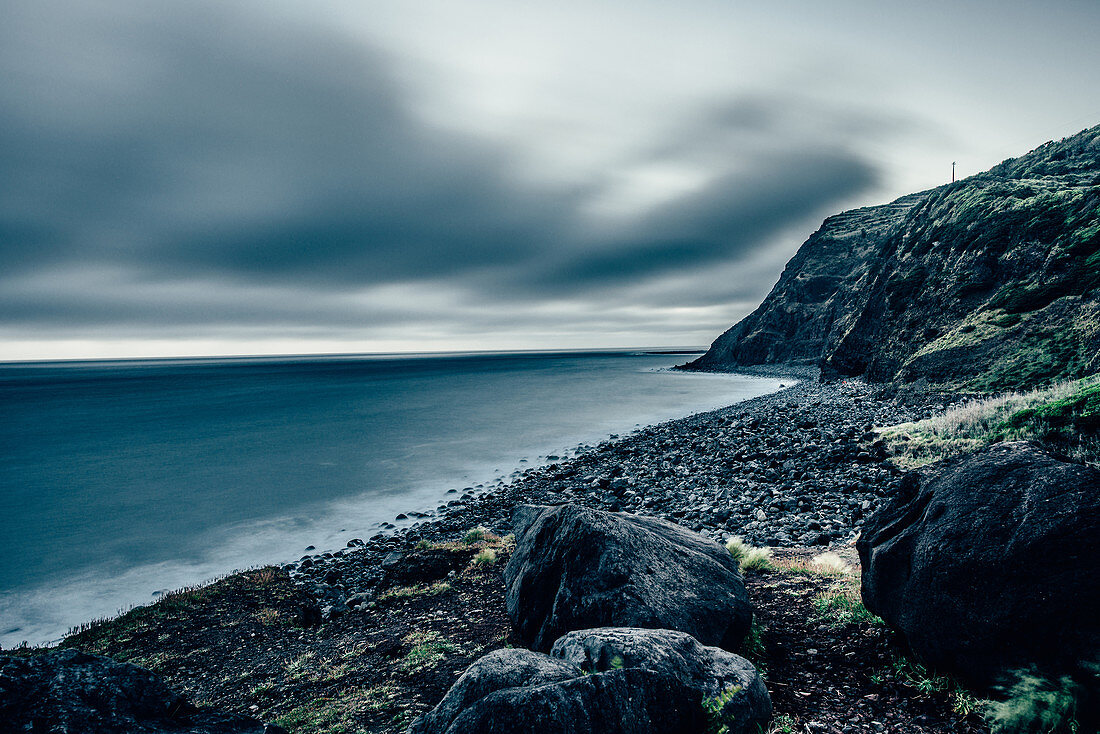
[1066, 417]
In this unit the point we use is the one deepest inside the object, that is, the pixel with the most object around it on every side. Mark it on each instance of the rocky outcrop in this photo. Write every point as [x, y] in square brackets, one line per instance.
[716, 674]
[497, 671]
[818, 295]
[987, 563]
[577, 568]
[989, 282]
[617, 702]
[70, 691]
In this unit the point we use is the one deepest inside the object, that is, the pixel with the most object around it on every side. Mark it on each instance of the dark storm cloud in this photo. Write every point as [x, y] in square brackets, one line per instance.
[723, 222]
[225, 146]
[199, 143]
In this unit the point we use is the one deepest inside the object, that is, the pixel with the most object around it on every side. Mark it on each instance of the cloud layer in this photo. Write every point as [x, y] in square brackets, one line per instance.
[203, 167]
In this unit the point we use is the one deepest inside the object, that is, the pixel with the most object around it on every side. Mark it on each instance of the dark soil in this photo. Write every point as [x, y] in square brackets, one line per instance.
[832, 675]
[238, 645]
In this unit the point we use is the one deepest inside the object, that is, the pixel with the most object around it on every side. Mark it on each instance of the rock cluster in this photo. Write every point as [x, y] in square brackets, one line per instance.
[70, 691]
[572, 565]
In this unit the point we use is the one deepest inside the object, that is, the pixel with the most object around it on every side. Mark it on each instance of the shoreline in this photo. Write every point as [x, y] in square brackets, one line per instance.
[787, 469]
[663, 470]
[46, 607]
[369, 637]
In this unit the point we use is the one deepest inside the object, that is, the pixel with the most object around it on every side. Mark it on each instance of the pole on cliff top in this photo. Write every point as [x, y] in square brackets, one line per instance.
[952, 171]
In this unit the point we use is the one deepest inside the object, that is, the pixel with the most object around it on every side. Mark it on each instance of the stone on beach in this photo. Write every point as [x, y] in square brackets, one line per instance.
[711, 671]
[987, 562]
[577, 568]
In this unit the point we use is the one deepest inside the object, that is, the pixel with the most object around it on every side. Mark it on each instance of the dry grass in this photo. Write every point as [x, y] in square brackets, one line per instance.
[980, 423]
[749, 557]
[825, 564]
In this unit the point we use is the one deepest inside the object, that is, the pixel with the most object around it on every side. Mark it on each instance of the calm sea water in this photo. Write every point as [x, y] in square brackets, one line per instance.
[120, 479]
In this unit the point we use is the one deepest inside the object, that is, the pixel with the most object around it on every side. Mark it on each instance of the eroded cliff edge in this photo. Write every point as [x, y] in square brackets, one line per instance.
[989, 282]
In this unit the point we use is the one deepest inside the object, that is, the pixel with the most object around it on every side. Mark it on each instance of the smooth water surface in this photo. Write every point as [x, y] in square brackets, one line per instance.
[122, 478]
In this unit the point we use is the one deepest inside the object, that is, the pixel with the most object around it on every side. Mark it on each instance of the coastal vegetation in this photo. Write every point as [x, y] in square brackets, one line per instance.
[1065, 416]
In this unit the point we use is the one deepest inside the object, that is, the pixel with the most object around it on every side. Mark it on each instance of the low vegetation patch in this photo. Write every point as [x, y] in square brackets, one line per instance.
[485, 557]
[717, 722]
[914, 675]
[825, 564]
[406, 592]
[428, 649]
[1065, 416]
[750, 558]
[842, 606]
[474, 535]
[1036, 704]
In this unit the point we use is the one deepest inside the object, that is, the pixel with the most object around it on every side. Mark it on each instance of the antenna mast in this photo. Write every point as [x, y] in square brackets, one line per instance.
[952, 171]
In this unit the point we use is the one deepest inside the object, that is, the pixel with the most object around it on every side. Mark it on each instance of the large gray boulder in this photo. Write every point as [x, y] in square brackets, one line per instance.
[500, 669]
[617, 702]
[987, 563]
[712, 672]
[577, 568]
[70, 691]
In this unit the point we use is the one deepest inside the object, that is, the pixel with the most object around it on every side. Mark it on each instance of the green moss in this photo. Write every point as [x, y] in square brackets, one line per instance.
[428, 650]
[841, 607]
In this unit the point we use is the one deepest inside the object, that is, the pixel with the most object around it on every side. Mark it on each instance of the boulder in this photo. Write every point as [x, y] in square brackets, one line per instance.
[576, 568]
[617, 702]
[987, 563]
[70, 691]
[712, 672]
[500, 669]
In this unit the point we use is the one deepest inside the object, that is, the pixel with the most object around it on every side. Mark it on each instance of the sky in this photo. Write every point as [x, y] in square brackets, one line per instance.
[214, 177]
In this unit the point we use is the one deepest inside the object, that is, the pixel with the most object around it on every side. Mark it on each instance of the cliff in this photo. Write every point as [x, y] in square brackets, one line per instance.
[990, 282]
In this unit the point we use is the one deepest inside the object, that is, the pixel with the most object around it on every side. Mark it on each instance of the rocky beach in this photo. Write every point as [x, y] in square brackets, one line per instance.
[798, 467]
[370, 636]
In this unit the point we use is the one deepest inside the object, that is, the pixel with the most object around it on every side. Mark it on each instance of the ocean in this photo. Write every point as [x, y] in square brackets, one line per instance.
[122, 479]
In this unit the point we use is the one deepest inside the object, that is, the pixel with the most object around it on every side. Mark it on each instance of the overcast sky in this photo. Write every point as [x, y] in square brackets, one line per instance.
[251, 177]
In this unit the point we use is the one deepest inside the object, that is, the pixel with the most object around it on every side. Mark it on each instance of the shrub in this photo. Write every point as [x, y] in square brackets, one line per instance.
[475, 535]
[1035, 705]
[485, 557]
[749, 557]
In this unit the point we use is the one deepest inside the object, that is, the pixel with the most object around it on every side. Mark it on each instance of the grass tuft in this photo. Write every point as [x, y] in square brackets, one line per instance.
[1034, 704]
[406, 592]
[475, 535]
[485, 557]
[830, 564]
[749, 557]
[842, 606]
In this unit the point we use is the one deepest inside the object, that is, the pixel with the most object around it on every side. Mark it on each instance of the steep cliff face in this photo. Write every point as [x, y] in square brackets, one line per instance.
[990, 282]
